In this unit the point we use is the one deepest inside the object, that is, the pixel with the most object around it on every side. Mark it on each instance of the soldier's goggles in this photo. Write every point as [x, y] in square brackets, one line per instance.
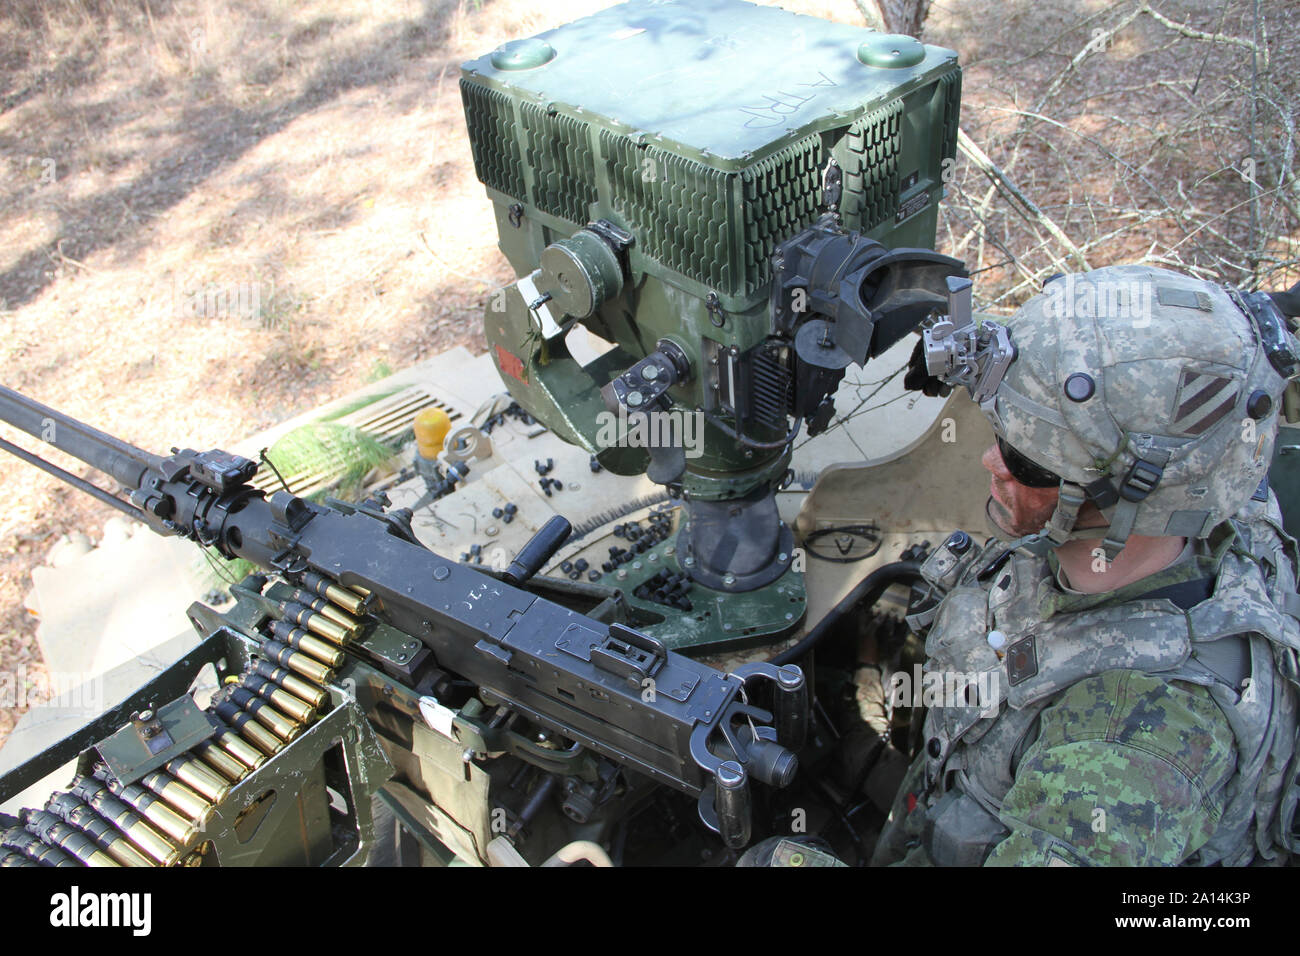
[1024, 470]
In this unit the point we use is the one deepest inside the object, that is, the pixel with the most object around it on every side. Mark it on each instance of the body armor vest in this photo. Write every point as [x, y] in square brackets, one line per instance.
[1238, 644]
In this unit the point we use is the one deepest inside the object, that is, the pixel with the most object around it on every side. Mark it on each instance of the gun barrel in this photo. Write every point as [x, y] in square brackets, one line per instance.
[119, 460]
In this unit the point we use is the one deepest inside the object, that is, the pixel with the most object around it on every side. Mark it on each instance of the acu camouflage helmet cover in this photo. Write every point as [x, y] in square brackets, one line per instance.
[1148, 392]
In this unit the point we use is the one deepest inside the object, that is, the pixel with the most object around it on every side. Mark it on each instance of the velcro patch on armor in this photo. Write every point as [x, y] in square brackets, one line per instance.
[1184, 298]
[1022, 660]
[1203, 400]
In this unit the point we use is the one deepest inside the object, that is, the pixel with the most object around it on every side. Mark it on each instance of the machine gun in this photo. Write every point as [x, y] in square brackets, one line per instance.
[368, 624]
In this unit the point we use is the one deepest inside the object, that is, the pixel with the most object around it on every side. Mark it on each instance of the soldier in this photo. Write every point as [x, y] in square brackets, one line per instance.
[1137, 608]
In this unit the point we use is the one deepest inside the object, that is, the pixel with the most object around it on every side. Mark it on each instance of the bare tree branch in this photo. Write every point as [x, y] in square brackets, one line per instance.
[1008, 188]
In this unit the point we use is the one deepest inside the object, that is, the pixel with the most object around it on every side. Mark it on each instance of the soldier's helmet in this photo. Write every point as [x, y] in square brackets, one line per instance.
[1153, 394]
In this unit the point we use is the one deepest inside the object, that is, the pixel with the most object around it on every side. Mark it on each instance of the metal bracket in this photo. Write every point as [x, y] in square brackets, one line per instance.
[152, 737]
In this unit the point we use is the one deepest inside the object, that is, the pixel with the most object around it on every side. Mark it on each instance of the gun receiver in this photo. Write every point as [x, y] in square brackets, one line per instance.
[605, 686]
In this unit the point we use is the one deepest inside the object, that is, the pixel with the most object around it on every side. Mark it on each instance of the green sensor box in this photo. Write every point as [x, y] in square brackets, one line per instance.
[704, 129]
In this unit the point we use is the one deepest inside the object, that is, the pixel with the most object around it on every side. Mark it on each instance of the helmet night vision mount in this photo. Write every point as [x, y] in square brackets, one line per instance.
[742, 203]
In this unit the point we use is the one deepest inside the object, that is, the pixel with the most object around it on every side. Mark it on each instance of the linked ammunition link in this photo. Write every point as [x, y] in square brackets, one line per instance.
[160, 819]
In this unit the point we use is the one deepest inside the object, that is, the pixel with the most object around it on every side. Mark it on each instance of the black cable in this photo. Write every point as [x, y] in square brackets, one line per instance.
[868, 765]
[872, 586]
[749, 442]
[870, 532]
[823, 791]
[270, 464]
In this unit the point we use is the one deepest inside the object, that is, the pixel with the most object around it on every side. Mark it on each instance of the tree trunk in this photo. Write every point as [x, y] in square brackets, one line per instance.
[896, 16]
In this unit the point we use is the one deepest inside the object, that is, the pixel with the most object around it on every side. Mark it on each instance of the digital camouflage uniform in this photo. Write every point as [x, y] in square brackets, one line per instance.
[1113, 739]
[1151, 724]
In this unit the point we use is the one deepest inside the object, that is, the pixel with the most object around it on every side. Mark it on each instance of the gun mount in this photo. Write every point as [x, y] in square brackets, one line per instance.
[713, 189]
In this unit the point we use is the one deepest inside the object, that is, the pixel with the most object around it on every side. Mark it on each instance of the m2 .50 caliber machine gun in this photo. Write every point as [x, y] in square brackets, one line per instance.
[370, 654]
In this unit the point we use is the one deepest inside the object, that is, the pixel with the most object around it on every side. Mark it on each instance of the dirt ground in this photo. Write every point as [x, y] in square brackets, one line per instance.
[217, 214]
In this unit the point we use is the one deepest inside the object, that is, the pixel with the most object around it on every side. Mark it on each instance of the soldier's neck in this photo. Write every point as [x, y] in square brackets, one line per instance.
[1084, 567]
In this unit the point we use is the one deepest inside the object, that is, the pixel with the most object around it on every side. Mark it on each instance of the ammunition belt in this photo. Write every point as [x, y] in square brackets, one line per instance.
[160, 819]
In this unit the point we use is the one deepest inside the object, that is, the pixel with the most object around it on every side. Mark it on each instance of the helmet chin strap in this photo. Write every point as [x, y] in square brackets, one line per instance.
[1060, 527]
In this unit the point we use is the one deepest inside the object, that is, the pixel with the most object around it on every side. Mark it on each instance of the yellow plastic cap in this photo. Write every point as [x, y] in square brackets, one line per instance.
[431, 426]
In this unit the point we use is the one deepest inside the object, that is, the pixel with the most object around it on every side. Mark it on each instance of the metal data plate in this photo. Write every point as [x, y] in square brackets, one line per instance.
[145, 745]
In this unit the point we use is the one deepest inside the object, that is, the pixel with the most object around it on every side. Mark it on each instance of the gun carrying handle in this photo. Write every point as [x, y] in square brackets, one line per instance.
[539, 549]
